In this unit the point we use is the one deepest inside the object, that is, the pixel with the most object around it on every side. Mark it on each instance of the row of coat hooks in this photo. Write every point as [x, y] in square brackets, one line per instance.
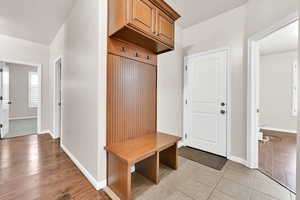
[124, 49]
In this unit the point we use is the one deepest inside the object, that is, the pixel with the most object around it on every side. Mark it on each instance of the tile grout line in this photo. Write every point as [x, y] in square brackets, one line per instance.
[254, 189]
[214, 188]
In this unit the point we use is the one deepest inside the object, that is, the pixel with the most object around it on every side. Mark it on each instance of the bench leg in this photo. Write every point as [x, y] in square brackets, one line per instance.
[149, 168]
[169, 157]
[119, 177]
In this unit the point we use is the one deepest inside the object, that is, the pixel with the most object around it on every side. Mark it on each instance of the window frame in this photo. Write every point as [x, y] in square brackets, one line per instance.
[31, 103]
[295, 89]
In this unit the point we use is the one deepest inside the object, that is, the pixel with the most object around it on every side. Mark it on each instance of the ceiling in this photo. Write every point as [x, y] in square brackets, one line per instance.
[39, 20]
[33, 20]
[285, 39]
[195, 11]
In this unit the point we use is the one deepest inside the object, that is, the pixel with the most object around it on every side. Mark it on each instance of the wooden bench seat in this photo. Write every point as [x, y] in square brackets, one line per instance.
[145, 153]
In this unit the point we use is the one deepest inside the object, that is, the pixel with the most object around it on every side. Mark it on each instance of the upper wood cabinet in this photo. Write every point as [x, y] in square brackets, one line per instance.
[165, 28]
[142, 16]
[147, 23]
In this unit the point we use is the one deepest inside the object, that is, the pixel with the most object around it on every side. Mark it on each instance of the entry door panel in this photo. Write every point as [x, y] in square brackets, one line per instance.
[4, 103]
[207, 102]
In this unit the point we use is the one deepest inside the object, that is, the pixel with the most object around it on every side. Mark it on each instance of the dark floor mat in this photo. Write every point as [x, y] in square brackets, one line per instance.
[202, 157]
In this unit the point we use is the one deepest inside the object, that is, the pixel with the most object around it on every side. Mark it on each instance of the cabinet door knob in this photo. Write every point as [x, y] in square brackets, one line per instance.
[148, 57]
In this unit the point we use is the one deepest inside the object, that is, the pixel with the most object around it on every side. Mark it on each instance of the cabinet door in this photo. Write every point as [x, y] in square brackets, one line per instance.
[142, 15]
[165, 28]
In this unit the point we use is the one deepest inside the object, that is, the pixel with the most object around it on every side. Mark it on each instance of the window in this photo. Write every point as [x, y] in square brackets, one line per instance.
[33, 90]
[295, 90]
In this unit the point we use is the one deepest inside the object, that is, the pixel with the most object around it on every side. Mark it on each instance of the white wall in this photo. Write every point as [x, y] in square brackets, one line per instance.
[276, 91]
[17, 50]
[79, 42]
[170, 89]
[261, 14]
[79, 76]
[298, 125]
[225, 30]
[19, 92]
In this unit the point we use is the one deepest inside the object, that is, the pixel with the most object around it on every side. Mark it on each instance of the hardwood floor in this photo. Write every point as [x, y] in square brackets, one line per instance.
[277, 157]
[36, 168]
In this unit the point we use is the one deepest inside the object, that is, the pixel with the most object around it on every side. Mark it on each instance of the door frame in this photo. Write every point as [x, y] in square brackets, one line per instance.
[39, 70]
[55, 92]
[228, 94]
[253, 64]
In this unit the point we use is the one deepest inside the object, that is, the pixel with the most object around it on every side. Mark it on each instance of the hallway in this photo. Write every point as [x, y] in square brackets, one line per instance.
[35, 167]
[277, 157]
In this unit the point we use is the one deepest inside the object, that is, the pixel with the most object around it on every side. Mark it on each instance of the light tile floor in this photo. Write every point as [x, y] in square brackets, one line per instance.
[193, 181]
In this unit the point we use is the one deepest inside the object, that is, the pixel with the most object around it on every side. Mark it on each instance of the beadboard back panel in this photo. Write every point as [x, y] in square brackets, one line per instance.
[131, 99]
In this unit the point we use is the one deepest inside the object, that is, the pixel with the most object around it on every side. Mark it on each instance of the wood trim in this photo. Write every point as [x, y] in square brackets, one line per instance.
[161, 4]
[136, 36]
[129, 50]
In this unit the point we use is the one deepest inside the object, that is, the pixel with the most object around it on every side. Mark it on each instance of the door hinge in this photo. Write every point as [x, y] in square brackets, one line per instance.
[1, 125]
[1, 98]
[186, 101]
[185, 136]
[186, 68]
[1, 70]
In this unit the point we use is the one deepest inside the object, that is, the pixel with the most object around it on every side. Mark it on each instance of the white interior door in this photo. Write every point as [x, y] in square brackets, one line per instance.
[58, 96]
[207, 102]
[4, 102]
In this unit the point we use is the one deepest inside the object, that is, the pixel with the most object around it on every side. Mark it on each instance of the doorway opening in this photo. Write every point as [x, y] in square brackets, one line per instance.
[273, 101]
[57, 98]
[20, 99]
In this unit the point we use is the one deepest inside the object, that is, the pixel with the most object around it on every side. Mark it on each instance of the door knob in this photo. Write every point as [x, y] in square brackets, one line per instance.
[223, 104]
[222, 112]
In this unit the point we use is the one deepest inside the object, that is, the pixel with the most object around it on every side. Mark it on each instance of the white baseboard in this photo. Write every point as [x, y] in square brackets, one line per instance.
[44, 132]
[238, 160]
[29, 117]
[278, 130]
[97, 184]
[47, 132]
[180, 144]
